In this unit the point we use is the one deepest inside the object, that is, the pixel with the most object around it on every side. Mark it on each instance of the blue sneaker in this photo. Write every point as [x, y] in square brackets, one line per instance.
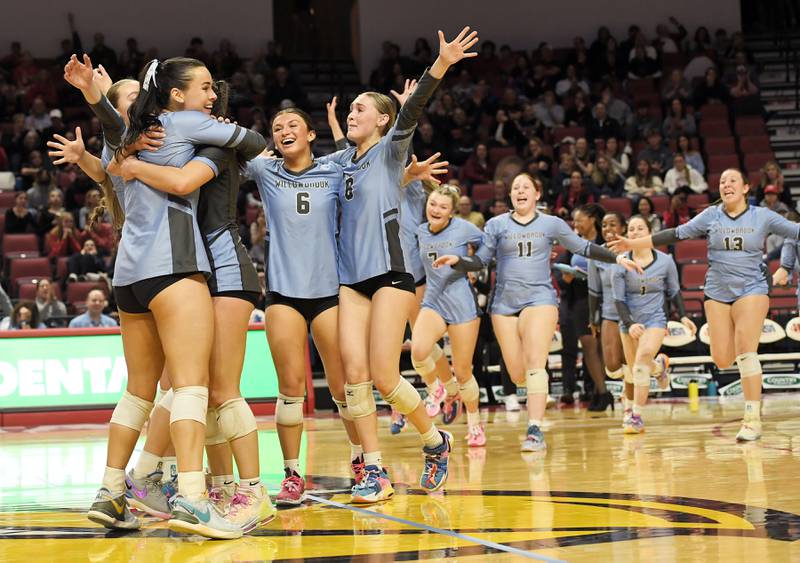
[451, 409]
[374, 487]
[534, 441]
[201, 517]
[398, 423]
[435, 473]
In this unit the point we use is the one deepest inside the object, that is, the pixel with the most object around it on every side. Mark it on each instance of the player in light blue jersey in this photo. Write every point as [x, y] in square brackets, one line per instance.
[450, 304]
[639, 300]
[377, 292]
[523, 303]
[790, 262]
[736, 290]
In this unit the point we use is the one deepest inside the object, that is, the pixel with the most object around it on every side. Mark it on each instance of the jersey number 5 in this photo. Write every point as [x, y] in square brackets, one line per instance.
[348, 188]
[733, 243]
[303, 204]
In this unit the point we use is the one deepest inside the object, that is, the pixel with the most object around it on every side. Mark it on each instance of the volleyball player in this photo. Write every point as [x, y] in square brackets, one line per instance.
[523, 303]
[790, 255]
[377, 291]
[639, 299]
[736, 288]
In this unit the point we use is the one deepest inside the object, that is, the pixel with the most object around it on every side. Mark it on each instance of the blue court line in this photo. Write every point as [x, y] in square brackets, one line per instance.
[442, 531]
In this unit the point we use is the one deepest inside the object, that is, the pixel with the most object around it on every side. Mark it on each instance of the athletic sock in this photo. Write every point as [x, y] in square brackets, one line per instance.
[252, 484]
[432, 438]
[752, 410]
[192, 485]
[169, 465]
[473, 419]
[636, 408]
[452, 387]
[373, 458]
[292, 465]
[114, 480]
[355, 451]
[145, 465]
[221, 480]
[535, 422]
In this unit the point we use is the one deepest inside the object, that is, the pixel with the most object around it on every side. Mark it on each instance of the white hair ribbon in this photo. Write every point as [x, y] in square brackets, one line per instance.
[150, 74]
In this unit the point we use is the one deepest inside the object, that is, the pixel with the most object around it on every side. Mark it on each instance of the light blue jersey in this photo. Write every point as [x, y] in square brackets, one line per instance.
[161, 235]
[790, 260]
[599, 280]
[301, 211]
[448, 292]
[369, 233]
[736, 249]
[644, 293]
[523, 252]
[412, 215]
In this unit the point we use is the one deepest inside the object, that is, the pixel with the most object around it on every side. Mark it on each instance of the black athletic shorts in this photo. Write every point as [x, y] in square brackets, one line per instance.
[707, 298]
[397, 280]
[421, 282]
[309, 308]
[136, 297]
[250, 296]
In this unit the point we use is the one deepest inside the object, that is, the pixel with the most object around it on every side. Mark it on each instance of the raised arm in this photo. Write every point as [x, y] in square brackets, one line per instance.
[780, 225]
[74, 152]
[577, 245]
[336, 129]
[676, 298]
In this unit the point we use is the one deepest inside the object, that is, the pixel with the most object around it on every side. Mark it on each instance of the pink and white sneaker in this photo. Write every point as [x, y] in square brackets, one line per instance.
[433, 402]
[476, 437]
[293, 490]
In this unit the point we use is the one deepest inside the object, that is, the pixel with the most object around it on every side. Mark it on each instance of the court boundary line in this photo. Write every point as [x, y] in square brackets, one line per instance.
[441, 531]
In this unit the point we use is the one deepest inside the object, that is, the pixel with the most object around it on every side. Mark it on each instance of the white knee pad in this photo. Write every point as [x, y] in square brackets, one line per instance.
[425, 367]
[189, 403]
[615, 374]
[131, 411]
[166, 400]
[289, 410]
[436, 353]
[469, 390]
[536, 381]
[404, 398]
[628, 374]
[235, 419]
[748, 364]
[641, 375]
[341, 406]
[359, 398]
[214, 435]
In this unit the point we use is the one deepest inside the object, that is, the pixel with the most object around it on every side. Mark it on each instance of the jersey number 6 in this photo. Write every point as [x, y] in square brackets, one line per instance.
[303, 205]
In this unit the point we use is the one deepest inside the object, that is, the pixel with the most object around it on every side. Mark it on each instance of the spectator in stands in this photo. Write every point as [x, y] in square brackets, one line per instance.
[33, 163]
[664, 43]
[656, 153]
[579, 114]
[91, 201]
[64, 239]
[75, 193]
[10, 61]
[57, 126]
[47, 216]
[226, 60]
[598, 47]
[94, 317]
[697, 67]
[679, 212]
[644, 181]
[711, 90]
[676, 86]
[20, 218]
[463, 89]
[5, 304]
[584, 158]
[644, 121]
[702, 40]
[543, 161]
[683, 175]
[646, 210]
[47, 303]
[102, 234]
[693, 157]
[549, 112]
[629, 42]
[24, 315]
[546, 56]
[477, 169]
[571, 83]
[573, 196]
[602, 126]
[605, 181]
[616, 109]
[258, 235]
[743, 87]
[86, 264]
[643, 63]
[678, 122]
[131, 59]
[732, 69]
[426, 143]
[771, 200]
[771, 175]
[467, 212]
[42, 86]
[497, 207]
[507, 133]
[721, 42]
[579, 56]
[197, 50]
[101, 54]
[38, 118]
[25, 71]
[619, 159]
[13, 142]
[612, 65]
[284, 87]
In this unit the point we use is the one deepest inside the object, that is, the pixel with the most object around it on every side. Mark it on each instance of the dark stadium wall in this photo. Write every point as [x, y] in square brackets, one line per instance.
[525, 23]
[166, 24]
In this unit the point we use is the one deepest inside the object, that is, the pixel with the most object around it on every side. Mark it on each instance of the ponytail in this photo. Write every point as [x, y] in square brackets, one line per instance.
[110, 204]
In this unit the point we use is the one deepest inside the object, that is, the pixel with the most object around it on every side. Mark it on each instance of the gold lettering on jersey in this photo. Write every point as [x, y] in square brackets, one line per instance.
[295, 185]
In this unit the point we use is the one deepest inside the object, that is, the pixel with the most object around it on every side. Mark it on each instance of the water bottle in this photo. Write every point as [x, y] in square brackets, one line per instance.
[711, 388]
[694, 396]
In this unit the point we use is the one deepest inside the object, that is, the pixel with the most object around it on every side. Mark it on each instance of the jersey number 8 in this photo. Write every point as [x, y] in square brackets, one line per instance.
[348, 188]
[303, 204]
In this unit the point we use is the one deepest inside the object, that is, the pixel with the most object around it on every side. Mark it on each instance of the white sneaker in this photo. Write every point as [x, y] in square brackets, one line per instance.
[512, 403]
[750, 431]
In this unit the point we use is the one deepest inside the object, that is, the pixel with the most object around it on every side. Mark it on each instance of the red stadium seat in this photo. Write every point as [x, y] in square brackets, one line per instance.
[713, 181]
[754, 177]
[7, 199]
[693, 276]
[697, 201]
[27, 269]
[619, 204]
[78, 291]
[750, 126]
[20, 243]
[783, 304]
[561, 132]
[756, 161]
[27, 291]
[496, 154]
[715, 129]
[641, 86]
[691, 251]
[718, 163]
[62, 270]
[714, 112]
[481, 193]
[693, 300]
[720, 145]
[660, 203]
[783, 291]
[757, 144]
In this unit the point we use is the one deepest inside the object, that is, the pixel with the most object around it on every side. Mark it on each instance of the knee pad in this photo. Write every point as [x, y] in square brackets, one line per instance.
[189, 403]
[341, 406]
[641, 375]
[166, 400]
[289, 410]
[615, 374]
[235, 419]
[469, 390]
[536, 381]
[214, 435]
[404, 398]
[628, 374]
[359, 398]
[436, 353]
[425, 367]
[748, 364]
[131, 411]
